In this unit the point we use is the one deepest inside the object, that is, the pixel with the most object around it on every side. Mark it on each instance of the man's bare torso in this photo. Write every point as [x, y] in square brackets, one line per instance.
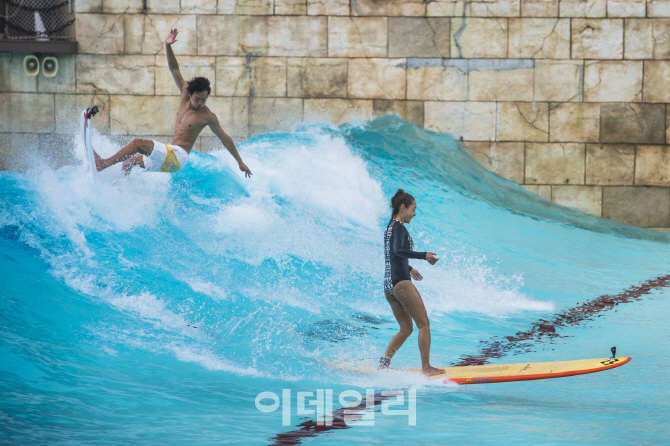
[189, 123]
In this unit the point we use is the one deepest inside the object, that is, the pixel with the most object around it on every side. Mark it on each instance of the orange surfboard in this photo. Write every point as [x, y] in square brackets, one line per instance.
[525, 371]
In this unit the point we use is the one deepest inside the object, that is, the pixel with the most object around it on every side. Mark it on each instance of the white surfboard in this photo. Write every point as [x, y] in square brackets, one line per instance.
[86, 128]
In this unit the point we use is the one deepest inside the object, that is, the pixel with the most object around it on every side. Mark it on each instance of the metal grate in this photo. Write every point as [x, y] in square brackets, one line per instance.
[40, 19]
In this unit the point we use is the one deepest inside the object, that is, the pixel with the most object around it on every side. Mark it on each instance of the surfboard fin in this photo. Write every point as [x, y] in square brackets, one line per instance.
[92, 111]
[613, 352]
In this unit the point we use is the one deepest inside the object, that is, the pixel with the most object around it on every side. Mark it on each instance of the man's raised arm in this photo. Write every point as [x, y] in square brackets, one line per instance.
[172, 60]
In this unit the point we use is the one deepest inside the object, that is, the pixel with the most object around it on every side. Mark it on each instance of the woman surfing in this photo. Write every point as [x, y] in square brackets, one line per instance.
[400, 292]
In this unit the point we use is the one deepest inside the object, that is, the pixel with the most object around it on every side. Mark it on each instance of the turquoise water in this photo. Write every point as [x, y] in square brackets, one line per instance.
[154, 309]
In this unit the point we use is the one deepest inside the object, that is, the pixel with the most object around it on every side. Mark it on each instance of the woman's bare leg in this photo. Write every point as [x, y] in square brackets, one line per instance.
[409, 297]
[137, 146]
[406, 326]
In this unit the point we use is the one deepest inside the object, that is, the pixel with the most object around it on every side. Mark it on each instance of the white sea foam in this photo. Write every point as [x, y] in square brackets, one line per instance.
[315, 202]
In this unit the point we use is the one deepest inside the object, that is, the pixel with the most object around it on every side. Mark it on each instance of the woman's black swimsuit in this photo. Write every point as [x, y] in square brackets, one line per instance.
[398, 247]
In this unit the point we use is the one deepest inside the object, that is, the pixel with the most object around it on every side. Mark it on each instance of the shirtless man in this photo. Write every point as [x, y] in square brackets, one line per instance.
[192, 116]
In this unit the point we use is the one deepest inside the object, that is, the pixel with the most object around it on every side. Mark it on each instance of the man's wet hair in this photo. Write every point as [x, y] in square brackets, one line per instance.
[198, 84]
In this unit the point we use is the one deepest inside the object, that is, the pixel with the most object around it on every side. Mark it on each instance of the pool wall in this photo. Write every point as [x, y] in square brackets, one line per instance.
[566, 98]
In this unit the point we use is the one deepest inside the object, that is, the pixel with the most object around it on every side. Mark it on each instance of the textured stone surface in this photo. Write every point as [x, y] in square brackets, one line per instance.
[658, 8]
[220, 35]
[612, 81]
[618, 8]
[15, 107]
[523, 121]
[494, 8]
[189, 67]
[411, 111]
[143, 115]
[87, 6]
[69, 106]
[501, 85]
[582, 8]
[389, 7]
[247, 7]
[198, 6]
[610, 164]
[337, 111]
[555, 163]
[647, 39]
[298, 36]
[539, 38]
[585, 198]
[652, 166]
[542, 191]
[418, 37]
[315, 77]
[574, 122]
[376, 79]
[539, 8]
[437, 83]
[64, 81]
[233, 115]
[328, 7]
[641, 206]
[253, 36]
[290, 7]
[504, 158]
[656, 81]
[559, 80]
[357, 36]
[132, 74]
[233, 75]
[251, 76]
[100, 33]
[472, 121]
[445, 8]
[146, 34]
[270, 115]
[11, 74]
[122, 6]
[633, 123]
[478, 38]
[163, 6]
[597, 38]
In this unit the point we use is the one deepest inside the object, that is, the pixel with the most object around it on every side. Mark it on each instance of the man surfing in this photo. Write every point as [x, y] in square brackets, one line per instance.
[192, 116]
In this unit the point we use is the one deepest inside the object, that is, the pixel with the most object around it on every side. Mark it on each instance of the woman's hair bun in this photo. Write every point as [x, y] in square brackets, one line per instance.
[401, 197]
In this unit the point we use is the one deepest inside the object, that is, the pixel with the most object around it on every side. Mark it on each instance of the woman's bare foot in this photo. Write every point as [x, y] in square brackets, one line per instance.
[432, 371]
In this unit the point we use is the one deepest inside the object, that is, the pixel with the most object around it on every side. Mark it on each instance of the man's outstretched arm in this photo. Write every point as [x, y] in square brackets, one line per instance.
[228, 142]
[172, 60]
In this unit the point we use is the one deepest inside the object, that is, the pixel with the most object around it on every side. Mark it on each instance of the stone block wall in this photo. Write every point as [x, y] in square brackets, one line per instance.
[568, 98]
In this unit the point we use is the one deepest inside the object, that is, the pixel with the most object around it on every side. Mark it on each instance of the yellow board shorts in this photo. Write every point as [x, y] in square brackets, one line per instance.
[165, 158]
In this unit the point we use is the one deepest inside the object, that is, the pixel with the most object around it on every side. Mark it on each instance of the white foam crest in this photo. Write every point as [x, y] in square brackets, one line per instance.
[326, 178]
[286, 294]
[207, 288]
[114, 202]
[467, 284]
[365, 374]
[325, 194]
[210, 361]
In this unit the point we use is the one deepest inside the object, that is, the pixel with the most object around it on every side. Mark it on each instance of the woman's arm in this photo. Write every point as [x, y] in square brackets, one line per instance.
[401, 244]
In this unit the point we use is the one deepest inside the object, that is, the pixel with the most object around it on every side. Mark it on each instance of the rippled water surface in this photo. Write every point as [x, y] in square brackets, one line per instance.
[154, 309]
